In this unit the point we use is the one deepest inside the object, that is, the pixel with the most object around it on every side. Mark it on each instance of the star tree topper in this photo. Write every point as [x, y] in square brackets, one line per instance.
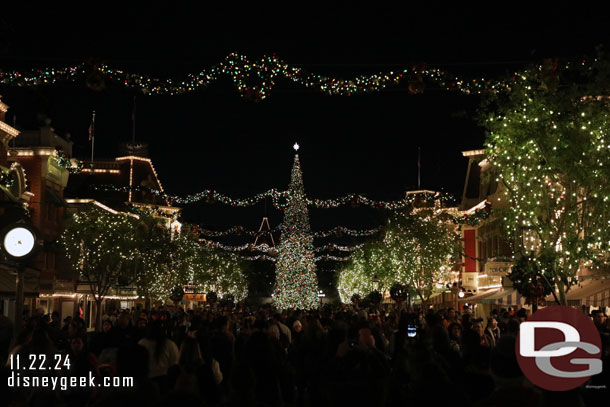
[296, 147]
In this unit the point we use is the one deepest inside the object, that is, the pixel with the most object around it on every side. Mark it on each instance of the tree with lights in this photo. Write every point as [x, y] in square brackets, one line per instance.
[549, 144]
[154, 277]
[101, 247]
[296, 284]
[368, 270]
[163, 261]
[416, 252]
[220, 272]
[422, 247]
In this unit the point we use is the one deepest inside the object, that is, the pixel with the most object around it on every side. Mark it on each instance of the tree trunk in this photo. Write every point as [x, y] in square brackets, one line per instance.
[562, 293]
[98, 314]
[147, 304]
[424, 307]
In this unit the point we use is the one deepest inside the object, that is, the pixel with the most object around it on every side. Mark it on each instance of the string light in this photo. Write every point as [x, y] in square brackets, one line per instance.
[256, 79]
[211, 196]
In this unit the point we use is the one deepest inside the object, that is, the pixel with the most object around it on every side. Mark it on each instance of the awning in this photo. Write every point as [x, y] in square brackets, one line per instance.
[440, 297]
[53, 197]
[479, 297]
[506, 296]
[590, 292]
[8, 283]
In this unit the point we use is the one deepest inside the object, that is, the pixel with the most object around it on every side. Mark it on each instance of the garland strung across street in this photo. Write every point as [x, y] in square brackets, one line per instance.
[208, 196]
[317, 258]
[242, 230]
[356, 200]
[255, 79]
[342, 230]
[211, 196]
[271, 250]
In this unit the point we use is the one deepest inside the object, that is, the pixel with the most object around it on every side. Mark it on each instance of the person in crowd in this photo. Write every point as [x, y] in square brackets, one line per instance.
[521, 315]
[452, 317]
[194, 374]
[280, 331]
[477, 326]
[222, 345]
[102, 340]
[466, 319]
[162, 353]
[67, 321]
[140, 331]
[455, 336]
[81, 363]
[492, 332]
[123, 332]
[599, 319]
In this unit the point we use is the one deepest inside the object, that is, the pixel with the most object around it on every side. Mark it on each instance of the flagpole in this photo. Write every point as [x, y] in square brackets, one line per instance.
[133, 120]
[418, 168]
[92, 136]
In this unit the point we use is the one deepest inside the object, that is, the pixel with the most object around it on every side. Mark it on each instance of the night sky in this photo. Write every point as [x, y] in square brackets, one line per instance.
[215, 139]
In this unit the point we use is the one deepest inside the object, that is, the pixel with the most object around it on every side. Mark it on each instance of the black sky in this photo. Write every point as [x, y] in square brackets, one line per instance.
[215, 139]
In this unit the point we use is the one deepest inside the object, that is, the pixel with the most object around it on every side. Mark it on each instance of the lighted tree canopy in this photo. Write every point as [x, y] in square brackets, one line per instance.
[549, 144]
[417, 250]
[112, 250]
[101, 247]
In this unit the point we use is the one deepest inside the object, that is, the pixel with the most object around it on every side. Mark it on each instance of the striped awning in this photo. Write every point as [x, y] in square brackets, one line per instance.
[440, 298]
[505, 296]
[594, 293]
[478, 298]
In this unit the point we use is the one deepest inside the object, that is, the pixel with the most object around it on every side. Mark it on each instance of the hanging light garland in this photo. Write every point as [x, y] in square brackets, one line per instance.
[328, 257]
[259, 257]
[357, 200]
[211, 196]
[235, 230]
[256, 79]
[242, 230]
[342, 230]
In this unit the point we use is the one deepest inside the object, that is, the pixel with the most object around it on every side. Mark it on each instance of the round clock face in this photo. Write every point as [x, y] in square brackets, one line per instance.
[18, 242]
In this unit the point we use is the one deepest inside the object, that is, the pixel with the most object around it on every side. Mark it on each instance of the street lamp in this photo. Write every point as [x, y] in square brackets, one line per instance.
[19, 245]
[375, 281]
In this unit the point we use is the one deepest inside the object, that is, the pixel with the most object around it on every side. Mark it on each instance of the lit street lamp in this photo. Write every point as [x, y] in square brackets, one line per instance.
[19, 245]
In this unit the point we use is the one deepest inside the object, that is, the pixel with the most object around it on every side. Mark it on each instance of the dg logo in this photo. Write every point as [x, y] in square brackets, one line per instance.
[559, 348]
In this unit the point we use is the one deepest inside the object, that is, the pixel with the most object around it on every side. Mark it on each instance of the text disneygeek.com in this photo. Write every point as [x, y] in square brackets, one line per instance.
[17, 380]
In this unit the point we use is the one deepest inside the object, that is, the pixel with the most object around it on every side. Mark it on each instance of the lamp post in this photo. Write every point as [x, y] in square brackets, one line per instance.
[19, 245]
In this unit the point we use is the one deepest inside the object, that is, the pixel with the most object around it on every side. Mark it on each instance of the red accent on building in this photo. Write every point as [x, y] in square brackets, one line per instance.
[470, 249]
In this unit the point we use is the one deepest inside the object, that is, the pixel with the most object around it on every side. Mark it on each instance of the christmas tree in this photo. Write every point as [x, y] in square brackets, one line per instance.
[296, 284]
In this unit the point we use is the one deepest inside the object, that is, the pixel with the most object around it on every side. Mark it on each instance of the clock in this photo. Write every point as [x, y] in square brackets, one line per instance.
[18, 241]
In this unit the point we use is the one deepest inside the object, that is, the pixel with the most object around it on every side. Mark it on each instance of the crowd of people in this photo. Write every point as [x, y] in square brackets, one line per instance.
[374, 356]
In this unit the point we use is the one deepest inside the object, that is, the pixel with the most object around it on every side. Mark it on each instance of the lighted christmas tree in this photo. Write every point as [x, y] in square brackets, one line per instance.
[296, 284]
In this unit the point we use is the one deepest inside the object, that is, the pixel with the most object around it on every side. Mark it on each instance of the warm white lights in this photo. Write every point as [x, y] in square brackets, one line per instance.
[8, 129]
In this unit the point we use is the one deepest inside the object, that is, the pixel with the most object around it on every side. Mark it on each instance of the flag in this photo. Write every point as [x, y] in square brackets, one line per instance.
[92, 127]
